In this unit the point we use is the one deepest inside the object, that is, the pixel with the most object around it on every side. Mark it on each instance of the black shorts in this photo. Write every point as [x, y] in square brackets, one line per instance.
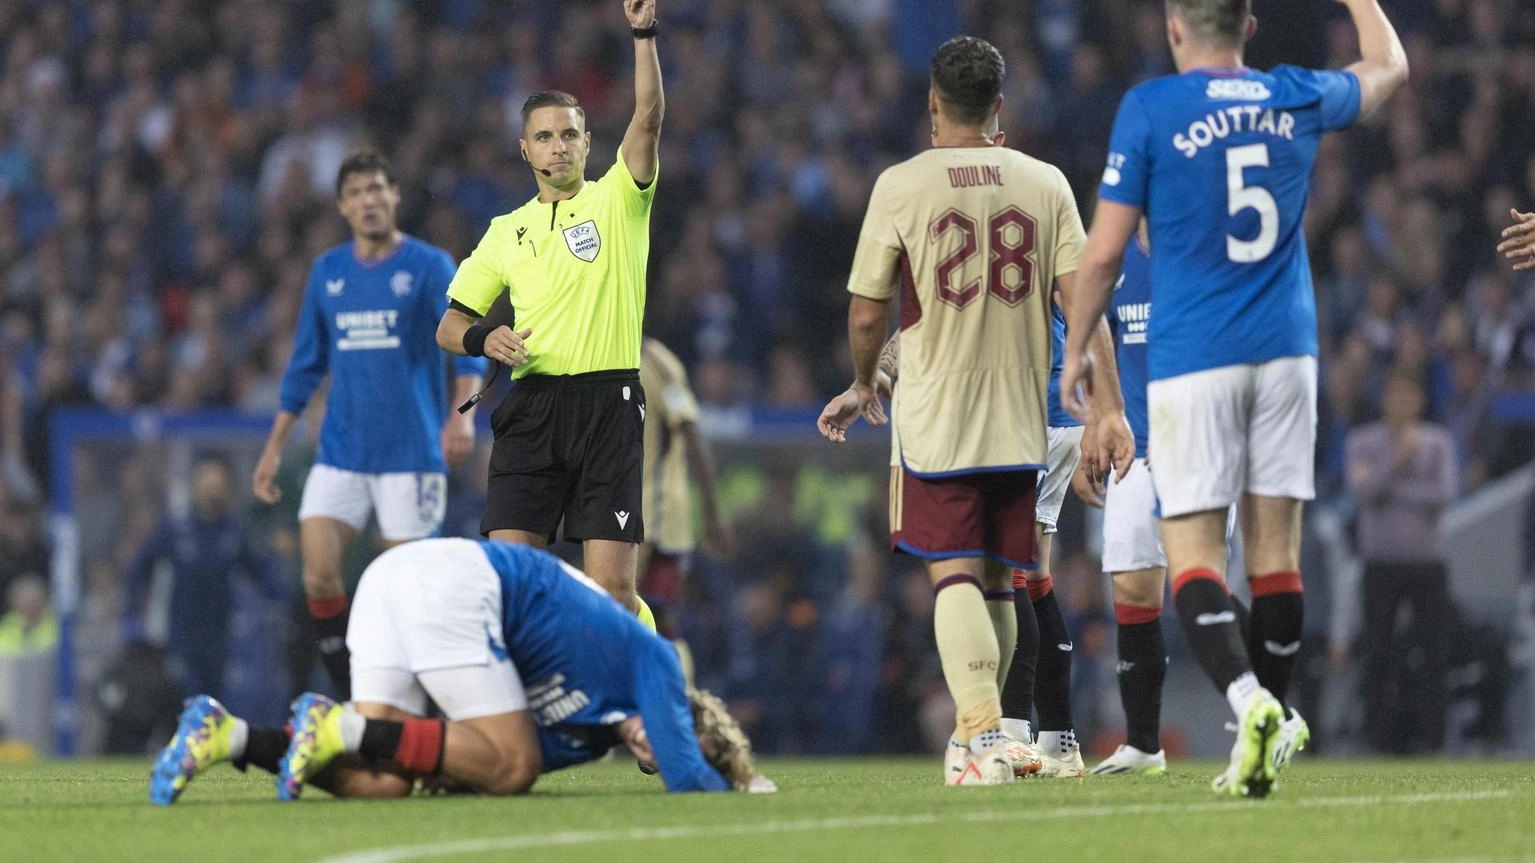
[569, 448]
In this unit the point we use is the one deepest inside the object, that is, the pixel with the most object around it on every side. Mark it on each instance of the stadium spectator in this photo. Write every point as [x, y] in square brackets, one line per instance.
[29, 627]
[204, 548]
[22, 549]
[1402, 473]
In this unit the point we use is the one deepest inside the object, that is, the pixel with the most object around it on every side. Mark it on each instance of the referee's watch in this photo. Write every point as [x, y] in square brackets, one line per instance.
[645, 32]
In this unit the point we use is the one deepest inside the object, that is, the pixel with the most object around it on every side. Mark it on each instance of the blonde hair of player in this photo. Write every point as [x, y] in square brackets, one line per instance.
[723, 741]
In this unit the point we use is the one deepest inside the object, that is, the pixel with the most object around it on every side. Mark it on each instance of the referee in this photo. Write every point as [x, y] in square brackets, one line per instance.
[569, 443]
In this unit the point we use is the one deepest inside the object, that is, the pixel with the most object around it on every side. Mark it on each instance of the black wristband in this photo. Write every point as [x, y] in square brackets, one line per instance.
[645, 32]
[474, 339]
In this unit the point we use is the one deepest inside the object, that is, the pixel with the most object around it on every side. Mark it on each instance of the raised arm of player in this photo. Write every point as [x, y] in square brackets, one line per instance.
[1383, 67]
[1088, 297]
[643, 137]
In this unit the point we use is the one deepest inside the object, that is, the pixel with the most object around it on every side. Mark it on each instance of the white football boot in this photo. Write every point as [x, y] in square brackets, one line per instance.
[1294, 734]
[1129, 761]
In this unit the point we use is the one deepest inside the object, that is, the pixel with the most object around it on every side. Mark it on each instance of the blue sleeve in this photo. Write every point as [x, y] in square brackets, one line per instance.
[1340, 98]
[310, 360]
[663, 704]
[441, 275]
[1336, 94]
[1128, 171]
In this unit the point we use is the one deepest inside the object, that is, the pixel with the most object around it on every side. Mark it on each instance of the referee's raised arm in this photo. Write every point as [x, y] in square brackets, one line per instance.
[643, 136]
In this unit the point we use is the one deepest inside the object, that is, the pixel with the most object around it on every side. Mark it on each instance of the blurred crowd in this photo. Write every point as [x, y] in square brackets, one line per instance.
[167, 170]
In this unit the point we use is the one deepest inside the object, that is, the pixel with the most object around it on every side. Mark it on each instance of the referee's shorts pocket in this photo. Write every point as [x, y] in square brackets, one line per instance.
[506, 412]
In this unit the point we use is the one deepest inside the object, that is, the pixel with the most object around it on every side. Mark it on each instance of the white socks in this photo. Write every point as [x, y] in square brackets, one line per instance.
[1240, 690]
[1057, 744]
[239, 735]
[986, 740]
[352, 724]
[1018, 729]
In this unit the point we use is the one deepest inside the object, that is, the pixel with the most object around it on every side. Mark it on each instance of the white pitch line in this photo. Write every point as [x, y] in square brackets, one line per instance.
[696, 831]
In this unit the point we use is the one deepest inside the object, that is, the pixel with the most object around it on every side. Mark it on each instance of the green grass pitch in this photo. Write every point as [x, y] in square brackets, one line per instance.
[847, 811]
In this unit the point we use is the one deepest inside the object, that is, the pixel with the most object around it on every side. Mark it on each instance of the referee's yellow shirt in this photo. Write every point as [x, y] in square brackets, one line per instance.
[575, 273]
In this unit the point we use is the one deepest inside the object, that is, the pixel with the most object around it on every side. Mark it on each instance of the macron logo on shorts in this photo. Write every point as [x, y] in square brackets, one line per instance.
[623, 519]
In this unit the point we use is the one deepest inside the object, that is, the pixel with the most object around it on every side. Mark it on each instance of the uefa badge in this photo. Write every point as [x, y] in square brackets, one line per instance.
[583, 240]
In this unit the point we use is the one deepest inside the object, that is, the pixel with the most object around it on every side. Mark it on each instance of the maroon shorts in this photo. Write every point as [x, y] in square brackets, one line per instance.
[968, 515]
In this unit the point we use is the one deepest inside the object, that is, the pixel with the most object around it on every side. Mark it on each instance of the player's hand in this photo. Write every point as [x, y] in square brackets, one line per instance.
[632, 732]
[457, 439]
[1519, 240]
[883, 386]
[1090, 452]
[844, 409]
[838, 416]
[1087, 488]
[641, 13]
[1077, 385]
[507, 347]
[869, 405]
[264, 480]
[1116, 445]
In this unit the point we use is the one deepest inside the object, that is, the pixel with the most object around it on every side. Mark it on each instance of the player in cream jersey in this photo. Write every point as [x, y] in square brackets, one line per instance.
[974, 235]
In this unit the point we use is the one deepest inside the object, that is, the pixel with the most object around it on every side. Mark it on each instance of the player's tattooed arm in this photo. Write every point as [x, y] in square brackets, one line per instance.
[890, 358]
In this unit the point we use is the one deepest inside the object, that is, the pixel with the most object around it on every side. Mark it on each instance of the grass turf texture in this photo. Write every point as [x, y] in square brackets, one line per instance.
[847, 811]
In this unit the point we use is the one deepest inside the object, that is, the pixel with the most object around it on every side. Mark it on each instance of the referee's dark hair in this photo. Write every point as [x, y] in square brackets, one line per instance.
[550, 99]
[967, 75]
[364, 161]
[1220, 23]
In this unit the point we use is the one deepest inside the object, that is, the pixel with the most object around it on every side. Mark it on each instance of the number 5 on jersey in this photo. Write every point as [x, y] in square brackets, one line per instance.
[1009, 277]
[1240, 196]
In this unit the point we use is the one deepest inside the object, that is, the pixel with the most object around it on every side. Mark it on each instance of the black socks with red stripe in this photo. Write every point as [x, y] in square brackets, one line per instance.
[1273, 639]
[415, 744]
[330, 617]
[1052, 690]
[1142, 670]
[1210, 625]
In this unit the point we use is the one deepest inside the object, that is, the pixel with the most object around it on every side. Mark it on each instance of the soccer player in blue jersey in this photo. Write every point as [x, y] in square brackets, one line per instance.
[1040, 676]
[369, 320]
[1132, 547]
[1218, 159]
[465, 623]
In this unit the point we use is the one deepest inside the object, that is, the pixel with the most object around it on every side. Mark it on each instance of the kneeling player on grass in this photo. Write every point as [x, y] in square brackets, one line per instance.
[462, 622]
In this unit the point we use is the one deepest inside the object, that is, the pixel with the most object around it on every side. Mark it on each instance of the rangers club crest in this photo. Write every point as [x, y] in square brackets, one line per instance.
[584, 241]
[402, 282]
